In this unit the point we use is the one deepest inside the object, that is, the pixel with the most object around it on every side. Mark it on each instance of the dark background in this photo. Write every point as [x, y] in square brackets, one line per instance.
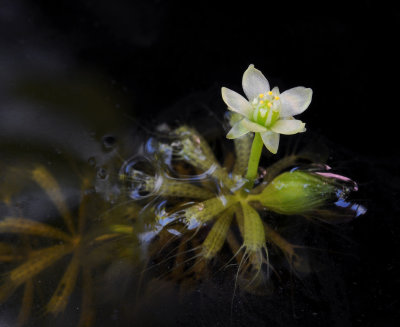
[156, 53]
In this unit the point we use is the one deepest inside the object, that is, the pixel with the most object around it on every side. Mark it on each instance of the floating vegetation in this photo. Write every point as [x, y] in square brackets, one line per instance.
[180, 211]
[216, 209]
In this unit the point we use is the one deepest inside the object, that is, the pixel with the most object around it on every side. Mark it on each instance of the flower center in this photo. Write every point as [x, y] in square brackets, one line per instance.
[266, 108]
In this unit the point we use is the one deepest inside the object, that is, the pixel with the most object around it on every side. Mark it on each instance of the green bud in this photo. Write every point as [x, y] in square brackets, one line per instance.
[297, 192]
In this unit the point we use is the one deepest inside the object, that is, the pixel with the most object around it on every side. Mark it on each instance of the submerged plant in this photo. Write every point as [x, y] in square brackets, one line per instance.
[39, 246]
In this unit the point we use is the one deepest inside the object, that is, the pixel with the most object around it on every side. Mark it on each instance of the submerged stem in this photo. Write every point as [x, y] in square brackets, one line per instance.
[252, 167]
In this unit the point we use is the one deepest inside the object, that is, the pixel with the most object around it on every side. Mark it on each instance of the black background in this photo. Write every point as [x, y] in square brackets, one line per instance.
[345, 51]
[156, 53]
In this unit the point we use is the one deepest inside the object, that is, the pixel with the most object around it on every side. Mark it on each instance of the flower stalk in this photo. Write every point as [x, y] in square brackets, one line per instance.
[254, 161]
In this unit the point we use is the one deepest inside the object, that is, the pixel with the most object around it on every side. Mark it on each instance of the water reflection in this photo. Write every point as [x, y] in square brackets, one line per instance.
[63, 137]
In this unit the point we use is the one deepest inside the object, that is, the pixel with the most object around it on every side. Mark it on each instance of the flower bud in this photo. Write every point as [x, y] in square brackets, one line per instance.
[297, 192]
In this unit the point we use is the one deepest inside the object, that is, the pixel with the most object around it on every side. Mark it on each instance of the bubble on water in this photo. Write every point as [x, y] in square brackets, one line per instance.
[141, 177]
[141, 185]
[109, 142]
[164, 151]
[138, 163]
[102, 173]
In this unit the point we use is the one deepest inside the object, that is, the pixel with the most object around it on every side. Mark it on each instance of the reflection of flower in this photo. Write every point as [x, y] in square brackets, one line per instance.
[267, 112]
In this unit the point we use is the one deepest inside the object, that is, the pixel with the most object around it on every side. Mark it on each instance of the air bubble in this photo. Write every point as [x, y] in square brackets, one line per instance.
[140, 176]
[102, 173]
[109, 142]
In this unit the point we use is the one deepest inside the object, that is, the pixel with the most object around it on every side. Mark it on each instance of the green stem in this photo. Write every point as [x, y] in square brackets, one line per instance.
[255, 154]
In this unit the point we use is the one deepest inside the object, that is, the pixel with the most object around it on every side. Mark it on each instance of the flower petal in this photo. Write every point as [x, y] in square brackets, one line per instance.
[294, 101]
[237, 131]
[236, 102]
[254, 83]
[252, 126]
[288, 127]
[271, 141]
[234, 118]
[275, 91]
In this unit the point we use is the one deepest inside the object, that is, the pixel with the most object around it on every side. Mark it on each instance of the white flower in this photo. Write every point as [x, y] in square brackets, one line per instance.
[266, 111]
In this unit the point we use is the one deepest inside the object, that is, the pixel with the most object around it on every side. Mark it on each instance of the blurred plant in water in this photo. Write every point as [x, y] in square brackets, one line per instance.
[33, 247]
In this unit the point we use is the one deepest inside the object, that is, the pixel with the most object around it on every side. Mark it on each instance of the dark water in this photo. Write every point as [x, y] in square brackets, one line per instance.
[83, 85]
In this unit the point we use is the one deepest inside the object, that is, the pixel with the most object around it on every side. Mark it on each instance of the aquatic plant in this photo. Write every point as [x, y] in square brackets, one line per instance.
[209, 204]
[180, 208]
[215, 203]
[39, 246]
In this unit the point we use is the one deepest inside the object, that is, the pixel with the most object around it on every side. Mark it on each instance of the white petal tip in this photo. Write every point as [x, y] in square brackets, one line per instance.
[254, 82]
[271, 141]
[235, 102]
[289, 126]
[296, 100]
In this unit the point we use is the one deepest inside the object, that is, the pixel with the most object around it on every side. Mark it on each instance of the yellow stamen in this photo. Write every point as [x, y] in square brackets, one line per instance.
[277, 98]
[262, 101]
[270, 93]
[269, 105]
[261, 95]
